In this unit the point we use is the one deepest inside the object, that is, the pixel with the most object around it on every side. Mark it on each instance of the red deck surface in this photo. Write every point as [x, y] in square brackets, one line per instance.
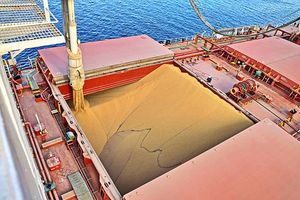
[97, 55]
[222, 81]
[261, 162]
[279, 54]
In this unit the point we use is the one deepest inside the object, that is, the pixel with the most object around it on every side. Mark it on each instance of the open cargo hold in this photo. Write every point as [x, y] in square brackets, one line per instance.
[143, 130]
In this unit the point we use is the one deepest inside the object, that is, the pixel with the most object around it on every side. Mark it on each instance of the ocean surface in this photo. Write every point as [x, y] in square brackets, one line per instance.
[167, 19]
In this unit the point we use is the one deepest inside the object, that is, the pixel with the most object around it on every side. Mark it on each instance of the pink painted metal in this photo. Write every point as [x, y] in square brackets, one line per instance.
[220, 80]
[101, 54]
[278, 54]
[261, 162]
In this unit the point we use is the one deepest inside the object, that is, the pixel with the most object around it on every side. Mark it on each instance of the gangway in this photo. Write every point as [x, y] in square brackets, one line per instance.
[27, 24]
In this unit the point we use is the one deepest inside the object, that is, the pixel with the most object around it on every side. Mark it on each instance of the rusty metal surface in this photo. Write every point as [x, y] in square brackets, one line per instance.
[101, 54]
[261, 162]
[279, 54]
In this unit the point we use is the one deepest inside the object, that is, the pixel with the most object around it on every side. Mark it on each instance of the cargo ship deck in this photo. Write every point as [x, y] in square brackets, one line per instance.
[53, 144]
[277, 58]
[70, 161]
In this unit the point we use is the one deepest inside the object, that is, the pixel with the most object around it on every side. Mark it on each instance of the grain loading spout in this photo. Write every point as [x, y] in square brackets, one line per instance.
[76, 72]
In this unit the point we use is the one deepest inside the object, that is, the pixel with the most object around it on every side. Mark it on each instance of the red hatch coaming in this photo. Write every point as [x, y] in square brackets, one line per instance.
[109, 81]
[102, 54]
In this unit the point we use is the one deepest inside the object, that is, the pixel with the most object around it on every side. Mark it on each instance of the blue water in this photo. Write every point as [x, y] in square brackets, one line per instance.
[166, 19]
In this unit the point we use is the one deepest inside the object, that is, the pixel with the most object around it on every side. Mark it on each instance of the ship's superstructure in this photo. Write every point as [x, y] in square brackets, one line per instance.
[254, 77]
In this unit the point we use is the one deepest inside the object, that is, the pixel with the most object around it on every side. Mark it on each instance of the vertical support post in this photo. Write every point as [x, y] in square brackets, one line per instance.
[13, 61]
[65, 15]
[46, 10]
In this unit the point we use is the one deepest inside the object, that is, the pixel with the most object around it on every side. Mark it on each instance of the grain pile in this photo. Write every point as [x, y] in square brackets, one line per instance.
[145, 129]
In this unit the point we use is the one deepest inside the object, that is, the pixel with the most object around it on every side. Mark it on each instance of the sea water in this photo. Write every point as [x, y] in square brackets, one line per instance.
[167, 19]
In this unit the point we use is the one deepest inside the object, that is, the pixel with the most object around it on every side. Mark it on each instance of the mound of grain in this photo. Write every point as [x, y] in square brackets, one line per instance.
[145, 129]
